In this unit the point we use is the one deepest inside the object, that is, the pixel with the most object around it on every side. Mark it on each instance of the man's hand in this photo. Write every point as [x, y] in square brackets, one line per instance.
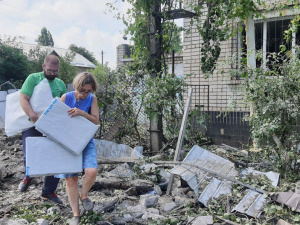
[24, 101]
[34, 118]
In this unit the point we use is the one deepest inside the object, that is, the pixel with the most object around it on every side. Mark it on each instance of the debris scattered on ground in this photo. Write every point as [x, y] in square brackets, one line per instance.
[131, 189]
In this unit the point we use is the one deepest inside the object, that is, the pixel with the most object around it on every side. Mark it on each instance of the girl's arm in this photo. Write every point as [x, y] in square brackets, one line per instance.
[63, 98]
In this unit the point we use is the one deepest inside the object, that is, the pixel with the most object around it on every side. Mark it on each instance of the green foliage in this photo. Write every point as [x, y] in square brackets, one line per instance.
[275, 100]
[45, 38]
[107, 80]
[33, 212]
[84, 52]
[66, 71]
[137, 21]
[14, 66]
[163, 91]
[36, 58]
[115, 101]
[171, 34]
[90, 218]
[275, 210]
[272, 94]
[107, 91]
[216, 26]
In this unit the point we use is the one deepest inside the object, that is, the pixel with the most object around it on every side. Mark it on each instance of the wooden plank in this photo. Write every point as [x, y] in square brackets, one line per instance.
[114, 129]
[180, 138]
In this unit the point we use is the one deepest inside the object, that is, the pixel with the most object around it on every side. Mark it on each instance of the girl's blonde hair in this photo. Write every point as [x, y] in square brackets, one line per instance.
[84, 78]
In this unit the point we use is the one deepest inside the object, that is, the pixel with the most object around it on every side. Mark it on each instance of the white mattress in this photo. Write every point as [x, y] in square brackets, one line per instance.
[71, 133]
[45, 157]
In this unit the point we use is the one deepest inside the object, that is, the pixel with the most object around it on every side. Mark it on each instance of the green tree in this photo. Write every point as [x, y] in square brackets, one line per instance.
[45, 38]
[172, 37]
[36, 58]
[66, 71]
[14, 65]
[84, 52]
[107, 80]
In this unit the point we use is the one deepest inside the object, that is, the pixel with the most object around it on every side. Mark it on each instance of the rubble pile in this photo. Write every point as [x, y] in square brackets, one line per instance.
[132, 190]
[120, 194]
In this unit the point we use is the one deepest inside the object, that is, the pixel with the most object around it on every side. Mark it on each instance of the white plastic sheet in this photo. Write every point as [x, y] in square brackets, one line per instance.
[16, 119]
[45, 157]
[109, 149]
[71, 133]
[2, 107]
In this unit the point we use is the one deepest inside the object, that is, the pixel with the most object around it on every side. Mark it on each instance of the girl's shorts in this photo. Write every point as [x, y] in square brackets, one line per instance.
[89, 160]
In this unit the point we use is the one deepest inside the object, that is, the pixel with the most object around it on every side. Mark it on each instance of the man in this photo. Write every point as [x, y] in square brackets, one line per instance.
[58, 88]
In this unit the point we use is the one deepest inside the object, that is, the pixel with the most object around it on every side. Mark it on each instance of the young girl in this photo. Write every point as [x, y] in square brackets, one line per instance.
[82, 103]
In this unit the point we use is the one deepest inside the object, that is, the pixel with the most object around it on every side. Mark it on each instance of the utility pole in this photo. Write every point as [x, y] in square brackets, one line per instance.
[102, 56]
[155, 43]
[155, 57]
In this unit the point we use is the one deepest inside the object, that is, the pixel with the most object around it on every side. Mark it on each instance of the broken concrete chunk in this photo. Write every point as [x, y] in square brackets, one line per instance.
[6, 221]
[122, 170]
[126, 216]
[180, 201]
[163, 199]
[131, 191]
[282, 222]
[136, 211]
[157, 190]
[148, 215]
[148, 200]
[150, 167]
[104, 223]
[178, 192]
[191, 194]
[107, 206]
[53, 210]
[153, 211]
[141, 186]
[41, 222]
[22, 221]
[201, 220]
[169, 206]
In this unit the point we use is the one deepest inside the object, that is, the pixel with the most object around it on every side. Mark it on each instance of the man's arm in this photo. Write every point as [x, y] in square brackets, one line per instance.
[24, 101]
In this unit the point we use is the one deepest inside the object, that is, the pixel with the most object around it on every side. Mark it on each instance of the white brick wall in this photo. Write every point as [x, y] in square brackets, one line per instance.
[220, 86]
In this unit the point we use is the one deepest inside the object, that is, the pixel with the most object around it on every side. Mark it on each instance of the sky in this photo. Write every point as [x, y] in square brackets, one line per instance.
[85, 23]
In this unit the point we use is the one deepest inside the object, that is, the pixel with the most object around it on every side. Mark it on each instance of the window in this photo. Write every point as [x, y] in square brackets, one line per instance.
[269, 36]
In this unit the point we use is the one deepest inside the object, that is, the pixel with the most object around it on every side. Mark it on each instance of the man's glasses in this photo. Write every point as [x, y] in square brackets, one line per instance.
[55, 72]
[85, 92]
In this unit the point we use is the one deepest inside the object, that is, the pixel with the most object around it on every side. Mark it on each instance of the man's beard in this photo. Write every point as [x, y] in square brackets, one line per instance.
[49, 77]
